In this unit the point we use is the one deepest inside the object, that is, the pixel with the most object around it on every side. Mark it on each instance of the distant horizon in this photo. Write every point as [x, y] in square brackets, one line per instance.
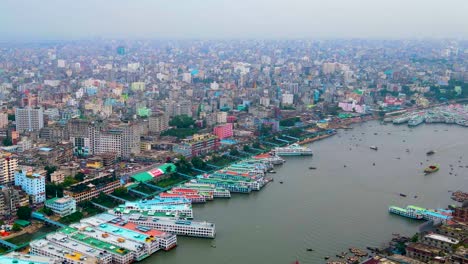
[233, 19]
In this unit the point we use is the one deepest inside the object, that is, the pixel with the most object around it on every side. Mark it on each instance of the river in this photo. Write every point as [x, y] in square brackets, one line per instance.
[334, 207]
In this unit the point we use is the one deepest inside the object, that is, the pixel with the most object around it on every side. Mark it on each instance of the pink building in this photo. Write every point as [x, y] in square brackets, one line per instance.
[223, 131]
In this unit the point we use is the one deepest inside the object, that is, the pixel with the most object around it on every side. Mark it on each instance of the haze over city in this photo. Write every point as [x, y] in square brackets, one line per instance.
[215, 19]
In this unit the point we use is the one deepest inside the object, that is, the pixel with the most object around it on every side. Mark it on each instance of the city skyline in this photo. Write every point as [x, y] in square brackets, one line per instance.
[227, 19]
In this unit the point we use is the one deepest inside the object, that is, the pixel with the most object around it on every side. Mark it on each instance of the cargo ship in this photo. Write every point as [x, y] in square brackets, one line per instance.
[293, 150]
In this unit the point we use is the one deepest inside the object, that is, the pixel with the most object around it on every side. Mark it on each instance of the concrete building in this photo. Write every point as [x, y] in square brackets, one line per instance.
[11, 198]
[221, 117]
[440, 241]
[8, 166]
[62, 206]
[138, 86]
[223, 131]
[32, 183]
[24, 144]
[158, 123]
[109, 142]
[3, 120]
[57, 177]
[198, 144]
[461, 213]
[29, 119]
[287, 99]
[422, 252]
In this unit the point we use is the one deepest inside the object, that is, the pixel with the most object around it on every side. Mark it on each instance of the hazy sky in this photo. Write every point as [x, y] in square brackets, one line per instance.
[46, 19]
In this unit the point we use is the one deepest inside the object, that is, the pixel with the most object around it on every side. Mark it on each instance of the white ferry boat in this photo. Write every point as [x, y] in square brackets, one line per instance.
[293, 150]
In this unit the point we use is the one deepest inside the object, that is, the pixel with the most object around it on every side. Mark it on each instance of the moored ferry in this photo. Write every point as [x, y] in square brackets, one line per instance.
[410, 213]
[293, 150]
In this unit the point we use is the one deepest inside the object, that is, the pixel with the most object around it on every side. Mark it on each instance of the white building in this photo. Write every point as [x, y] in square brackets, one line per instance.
[265, 101]
[221, 117]
[24, 144]
[187, 77]
[32, 183]
[61, 63]
[287, 99]
[62, 206]
[29, 119]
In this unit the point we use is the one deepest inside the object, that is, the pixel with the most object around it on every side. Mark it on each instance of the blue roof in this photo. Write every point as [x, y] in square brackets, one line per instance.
[45, 149]
[437, 215]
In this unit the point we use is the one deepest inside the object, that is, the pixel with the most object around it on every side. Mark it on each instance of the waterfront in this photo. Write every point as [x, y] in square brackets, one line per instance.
[333, 207]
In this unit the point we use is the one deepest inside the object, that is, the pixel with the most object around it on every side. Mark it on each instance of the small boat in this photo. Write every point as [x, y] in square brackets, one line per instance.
[431, 169]
[213, 246]
[309, 249]
[281, 182]
[327, 257]
[403, 195]
[312, 168]
[374, 147]
[430, 152]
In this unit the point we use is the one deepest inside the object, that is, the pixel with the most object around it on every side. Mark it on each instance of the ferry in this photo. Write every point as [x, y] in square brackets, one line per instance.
[416, 121]
[401, 120]
[410, 213]
[293, 150]
[270, 157]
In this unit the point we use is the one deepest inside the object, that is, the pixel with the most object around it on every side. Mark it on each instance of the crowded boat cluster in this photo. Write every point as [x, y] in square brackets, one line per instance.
[448, 114]
[460, 196]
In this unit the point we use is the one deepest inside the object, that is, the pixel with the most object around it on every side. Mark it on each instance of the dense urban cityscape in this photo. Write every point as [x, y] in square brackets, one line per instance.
[130, 133]
[249, 132]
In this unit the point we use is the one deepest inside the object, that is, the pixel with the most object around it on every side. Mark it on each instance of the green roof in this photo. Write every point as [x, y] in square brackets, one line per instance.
[142, 177]
[22, 223]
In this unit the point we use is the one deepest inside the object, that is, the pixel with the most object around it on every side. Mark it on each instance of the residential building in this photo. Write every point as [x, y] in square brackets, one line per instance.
[197, 144]
[461, 213]
[223, 131]
[57, 177]
[32, 183]
[3, 120]
[158, 123]
[89, 189]
[29, 119]
[287, 99]
[11, 198]
[62, 206]
[440, 241]
[221, 117]
[422, 252]
[8, 166]
[138, 86]
[24, 144]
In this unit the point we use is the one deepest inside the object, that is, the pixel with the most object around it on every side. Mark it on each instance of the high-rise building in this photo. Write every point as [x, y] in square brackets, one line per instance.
[32, 183]
[223, 131]
[121, 50]
[29, 119]
[109, 142]
[8, 166]
[158, 123]
[3, 120]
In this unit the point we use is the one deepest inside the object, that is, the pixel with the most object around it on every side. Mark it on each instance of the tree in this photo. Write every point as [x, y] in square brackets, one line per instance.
[120, 191]
[182, 121]
[246, 148]
[69, 180]
[80, 176]
[169, 170]
[234, 152]
[198, 163]
[49, 170]
[7, 141]
[47, 211]
[24, 213]
[256, 145]
[16, 227]
[53, 190]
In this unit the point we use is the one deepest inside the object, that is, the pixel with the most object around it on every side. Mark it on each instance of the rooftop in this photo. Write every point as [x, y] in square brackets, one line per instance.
[443, 238]
[18, 258]
[81, 247]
